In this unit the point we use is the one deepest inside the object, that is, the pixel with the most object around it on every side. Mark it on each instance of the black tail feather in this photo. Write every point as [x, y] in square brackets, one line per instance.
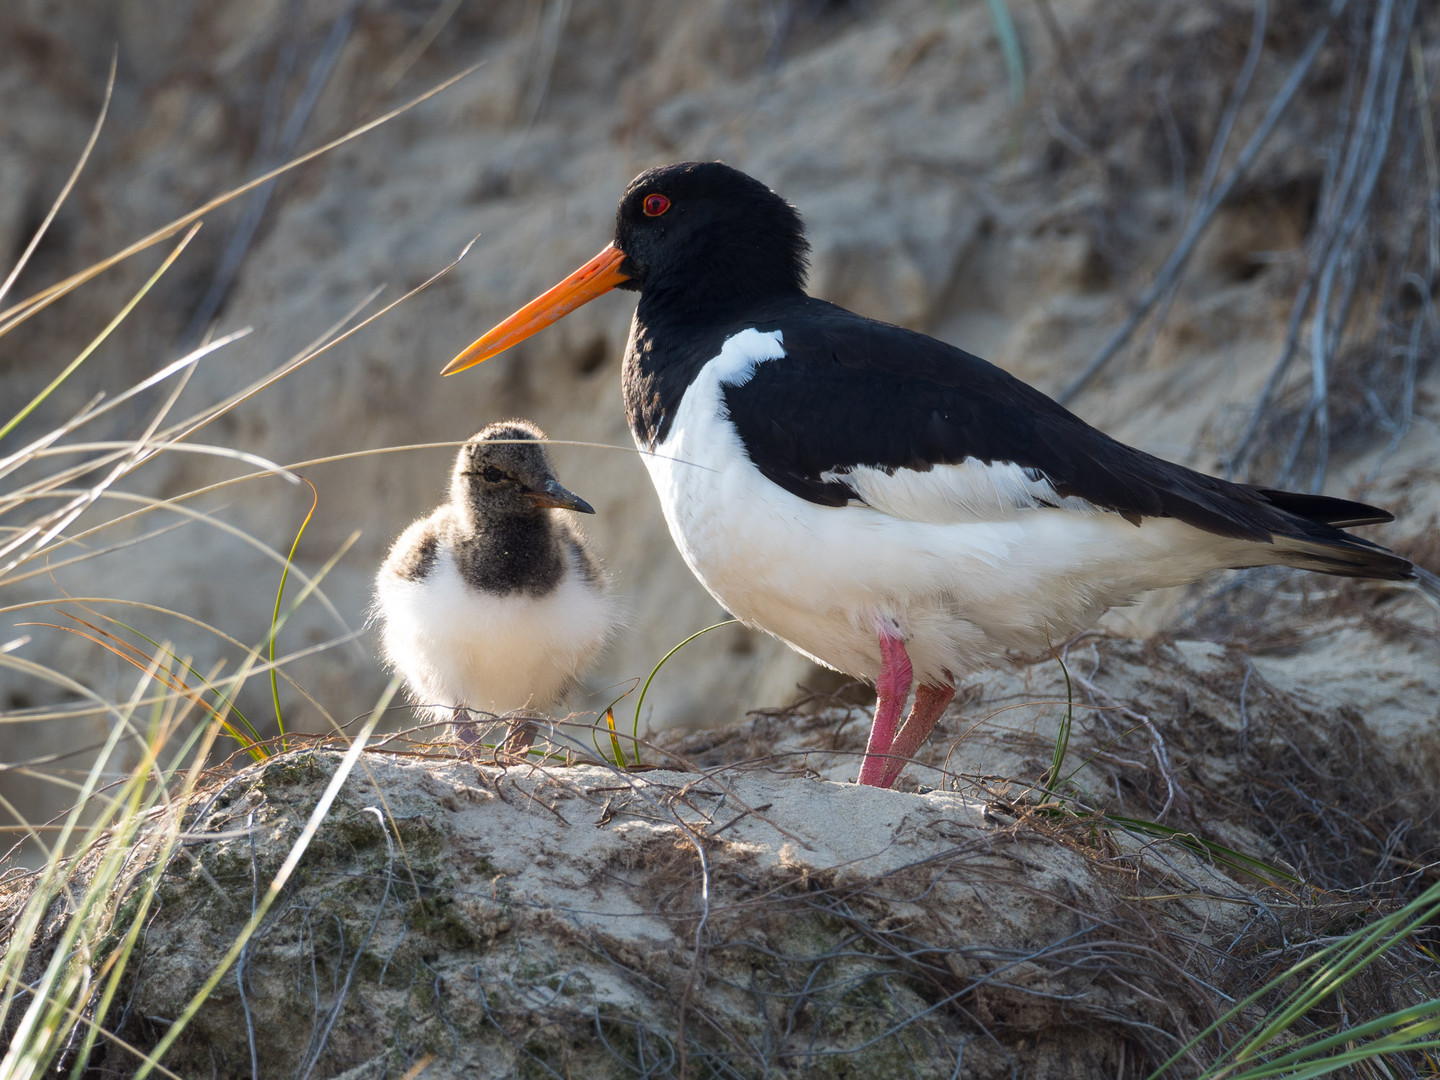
[1315, 539]
[1341, 513]
[1346, 556]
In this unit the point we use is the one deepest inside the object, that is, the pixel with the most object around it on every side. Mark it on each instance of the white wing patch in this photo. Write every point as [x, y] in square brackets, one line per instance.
[742, 353]
[945, 494]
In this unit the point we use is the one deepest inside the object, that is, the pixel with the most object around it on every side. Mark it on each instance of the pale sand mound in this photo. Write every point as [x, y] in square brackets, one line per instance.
[765, 920]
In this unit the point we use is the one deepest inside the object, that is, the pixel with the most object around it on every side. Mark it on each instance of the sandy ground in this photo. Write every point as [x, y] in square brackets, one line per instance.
[1290, 717]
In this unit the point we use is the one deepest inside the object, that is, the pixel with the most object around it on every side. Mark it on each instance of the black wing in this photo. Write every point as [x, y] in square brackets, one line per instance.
[854, 392]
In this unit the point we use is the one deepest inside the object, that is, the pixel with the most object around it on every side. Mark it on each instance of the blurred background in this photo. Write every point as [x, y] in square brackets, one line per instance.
[1212, 227]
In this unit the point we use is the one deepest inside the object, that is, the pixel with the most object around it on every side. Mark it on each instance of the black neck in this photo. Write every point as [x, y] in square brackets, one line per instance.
[671, 341]
[519, 553]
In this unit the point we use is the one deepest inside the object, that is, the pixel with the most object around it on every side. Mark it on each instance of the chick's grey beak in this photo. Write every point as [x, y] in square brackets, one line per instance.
[553, 495]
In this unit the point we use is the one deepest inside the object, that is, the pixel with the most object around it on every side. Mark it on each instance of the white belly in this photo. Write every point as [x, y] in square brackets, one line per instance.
[960, 589]
[457, 646]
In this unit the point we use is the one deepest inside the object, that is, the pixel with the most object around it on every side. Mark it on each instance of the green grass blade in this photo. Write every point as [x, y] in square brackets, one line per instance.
[645, 689]
[1269, 873]
[99, 339]
[40, 1033]
[149, 886]
[615, 740]
[223, 706]
[1343, 961]
[1323, 974]
[1051, 780]
[275, 615]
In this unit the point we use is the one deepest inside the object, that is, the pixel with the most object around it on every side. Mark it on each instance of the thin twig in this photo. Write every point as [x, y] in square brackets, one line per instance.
[1157, 743]
[1173, 266]
[269, 156]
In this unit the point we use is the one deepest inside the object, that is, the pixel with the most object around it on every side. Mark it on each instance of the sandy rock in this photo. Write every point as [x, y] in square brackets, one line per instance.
[596, 921]
[773, 919]
[1021, 229]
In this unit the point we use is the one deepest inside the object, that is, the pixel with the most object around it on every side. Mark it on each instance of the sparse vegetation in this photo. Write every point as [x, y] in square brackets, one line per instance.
[1152, 861]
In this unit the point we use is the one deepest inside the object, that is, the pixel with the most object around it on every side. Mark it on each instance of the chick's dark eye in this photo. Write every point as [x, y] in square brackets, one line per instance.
[492, 475]
[655, 205]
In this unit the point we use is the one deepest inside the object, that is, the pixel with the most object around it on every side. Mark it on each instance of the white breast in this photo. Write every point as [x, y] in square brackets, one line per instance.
[455, 645]
[965, 560]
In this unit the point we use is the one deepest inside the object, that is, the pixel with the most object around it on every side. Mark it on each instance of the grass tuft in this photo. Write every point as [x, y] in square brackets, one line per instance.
[71, 922]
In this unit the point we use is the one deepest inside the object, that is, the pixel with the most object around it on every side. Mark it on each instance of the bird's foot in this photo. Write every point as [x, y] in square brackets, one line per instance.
[930, 702]
[521, 728]
[520, 736]
[469, 732]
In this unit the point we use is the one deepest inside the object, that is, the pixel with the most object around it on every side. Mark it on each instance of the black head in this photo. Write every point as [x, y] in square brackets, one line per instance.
[698, 240]
[504, 472]
[710, 234]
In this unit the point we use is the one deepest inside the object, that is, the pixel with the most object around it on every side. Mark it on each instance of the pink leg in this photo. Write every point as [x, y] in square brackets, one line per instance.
[891, 690]
[930, 702]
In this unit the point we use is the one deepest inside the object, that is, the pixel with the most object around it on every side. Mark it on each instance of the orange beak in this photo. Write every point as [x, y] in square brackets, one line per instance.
[599, 275]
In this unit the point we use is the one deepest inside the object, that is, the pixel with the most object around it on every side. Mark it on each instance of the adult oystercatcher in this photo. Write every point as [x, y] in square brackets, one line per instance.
[493, 602]
[883, 502]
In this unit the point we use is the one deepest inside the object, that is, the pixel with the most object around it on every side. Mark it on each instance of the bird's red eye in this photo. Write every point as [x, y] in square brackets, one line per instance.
[655, 205]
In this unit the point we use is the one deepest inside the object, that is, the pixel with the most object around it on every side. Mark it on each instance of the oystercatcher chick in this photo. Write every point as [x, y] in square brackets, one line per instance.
[883, 502]
[493, 602]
